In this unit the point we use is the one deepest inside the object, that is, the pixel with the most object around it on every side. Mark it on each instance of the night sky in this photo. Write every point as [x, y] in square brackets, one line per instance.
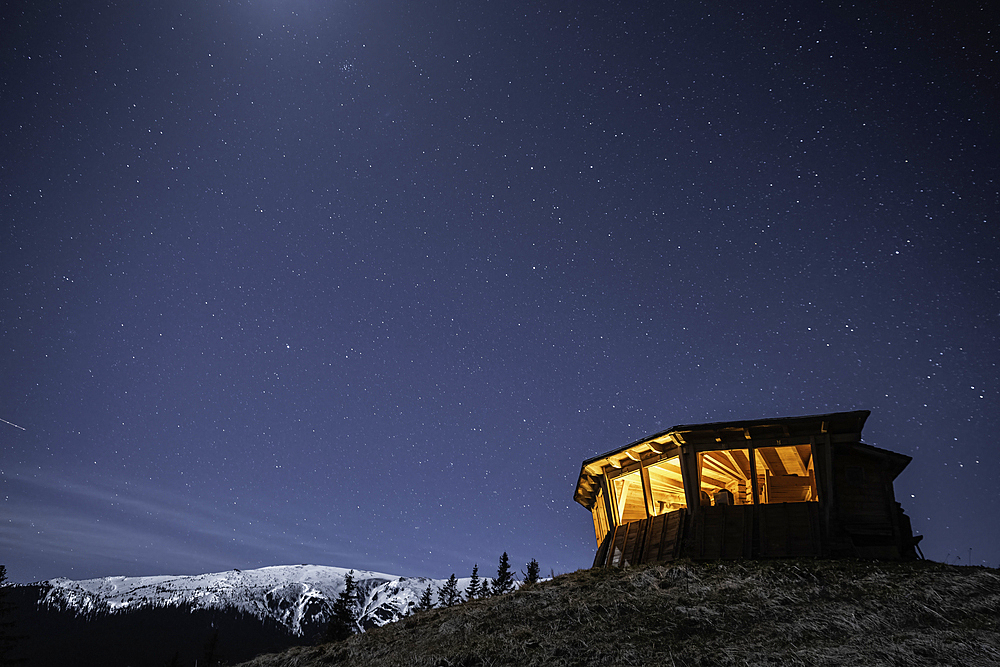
[363, 283]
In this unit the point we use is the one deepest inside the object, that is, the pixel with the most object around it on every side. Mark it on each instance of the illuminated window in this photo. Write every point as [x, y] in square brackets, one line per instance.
[785, 474]
[725, 477]
[666, 485]
[630, 504]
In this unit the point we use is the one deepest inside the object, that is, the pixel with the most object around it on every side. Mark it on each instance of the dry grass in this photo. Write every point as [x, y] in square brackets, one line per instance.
[801, 612]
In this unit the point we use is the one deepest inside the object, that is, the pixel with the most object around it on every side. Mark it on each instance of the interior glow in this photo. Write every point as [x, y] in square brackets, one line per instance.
[666, 485]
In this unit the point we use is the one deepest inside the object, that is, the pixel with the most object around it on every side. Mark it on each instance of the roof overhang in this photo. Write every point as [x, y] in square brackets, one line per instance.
[723, 435]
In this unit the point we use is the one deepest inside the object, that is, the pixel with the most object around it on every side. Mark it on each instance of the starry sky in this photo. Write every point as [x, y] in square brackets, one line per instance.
[363, 283]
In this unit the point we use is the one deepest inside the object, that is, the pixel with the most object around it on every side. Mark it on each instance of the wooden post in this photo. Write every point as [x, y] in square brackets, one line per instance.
[606, 488]
[690, 478]
[828, 474]
[647, 491]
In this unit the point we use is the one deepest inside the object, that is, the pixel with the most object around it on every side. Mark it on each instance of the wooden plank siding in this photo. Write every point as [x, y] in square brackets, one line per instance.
[722, 531]
[865, 495]
[789, 529]
[644, 541]
[869, 515]
[617, 547]
[601, 558]
[663, 537]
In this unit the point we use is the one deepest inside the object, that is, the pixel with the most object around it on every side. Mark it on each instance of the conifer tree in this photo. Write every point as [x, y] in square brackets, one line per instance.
[472, 591]
[343, 621]
[504, 583]
[426, 601]
[449, 596]
[485, 589]
[7, 638]
[531, 576]
[208, 652]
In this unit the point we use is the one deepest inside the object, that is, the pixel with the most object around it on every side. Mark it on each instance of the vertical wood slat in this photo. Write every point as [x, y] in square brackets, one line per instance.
[645, 541]
[611, 547]
[629, 532]
[719, 532]
[617, 546]
[675, 531]
[600, 559]
[790, 529]
[654, 533]
[663, 537]
[632, 552]
[739, 522]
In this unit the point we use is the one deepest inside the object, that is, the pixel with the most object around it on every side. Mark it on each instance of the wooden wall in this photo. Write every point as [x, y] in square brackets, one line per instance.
[719, 532]
[644, 541]
[866, 509]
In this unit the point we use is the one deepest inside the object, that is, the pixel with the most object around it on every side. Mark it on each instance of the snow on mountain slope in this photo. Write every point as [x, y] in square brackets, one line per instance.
[293, 595]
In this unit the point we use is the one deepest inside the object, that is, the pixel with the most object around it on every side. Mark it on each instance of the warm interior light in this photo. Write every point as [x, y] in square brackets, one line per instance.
[630, 504]
[666, 486]
[725, 477]
[786, 474]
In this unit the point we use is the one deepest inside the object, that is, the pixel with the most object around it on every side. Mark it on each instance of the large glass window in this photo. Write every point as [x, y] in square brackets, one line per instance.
[630, 504]
[785, 474]
[725, 477]
[666, 485]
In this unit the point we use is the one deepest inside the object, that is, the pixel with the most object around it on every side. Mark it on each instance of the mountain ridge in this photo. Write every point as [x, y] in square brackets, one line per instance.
[296, 596]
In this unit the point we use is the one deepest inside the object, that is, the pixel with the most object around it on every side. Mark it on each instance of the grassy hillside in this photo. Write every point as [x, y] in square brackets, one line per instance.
[788, 612]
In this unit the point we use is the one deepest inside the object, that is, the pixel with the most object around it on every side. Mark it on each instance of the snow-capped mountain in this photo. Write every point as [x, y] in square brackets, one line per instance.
[296, 596]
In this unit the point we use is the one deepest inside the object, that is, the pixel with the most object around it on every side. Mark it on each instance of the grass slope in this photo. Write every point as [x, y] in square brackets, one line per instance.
[787, 612]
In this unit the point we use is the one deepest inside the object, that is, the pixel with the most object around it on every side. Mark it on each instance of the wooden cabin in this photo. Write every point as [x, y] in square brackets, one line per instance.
[789, 486]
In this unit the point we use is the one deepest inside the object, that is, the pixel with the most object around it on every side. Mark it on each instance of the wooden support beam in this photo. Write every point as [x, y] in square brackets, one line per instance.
[736, 465]
[689, 468]
[647, 492]
[792, 461]
[718, 461]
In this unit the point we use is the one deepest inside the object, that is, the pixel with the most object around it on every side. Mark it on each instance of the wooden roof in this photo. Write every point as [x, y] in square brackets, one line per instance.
[726, 435]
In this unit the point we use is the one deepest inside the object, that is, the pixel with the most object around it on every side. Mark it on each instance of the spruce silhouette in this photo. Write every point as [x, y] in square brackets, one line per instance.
[504, 583]
[426, 601]
[531, 576]
[343, 621]
[472, 592]
[449, 596]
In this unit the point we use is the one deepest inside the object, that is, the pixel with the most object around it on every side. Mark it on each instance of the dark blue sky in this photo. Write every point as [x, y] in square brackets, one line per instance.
[362, 283]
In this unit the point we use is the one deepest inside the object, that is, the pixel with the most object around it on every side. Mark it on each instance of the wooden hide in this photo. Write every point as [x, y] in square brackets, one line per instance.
[785, 487]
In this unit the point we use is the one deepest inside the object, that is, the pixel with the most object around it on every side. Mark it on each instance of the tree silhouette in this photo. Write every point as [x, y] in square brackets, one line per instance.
[208, 652]
[426, 601]
[449, 596]
[343, 619]
[531, 576]
[7, 638]
[472, 591]
[504, 583]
